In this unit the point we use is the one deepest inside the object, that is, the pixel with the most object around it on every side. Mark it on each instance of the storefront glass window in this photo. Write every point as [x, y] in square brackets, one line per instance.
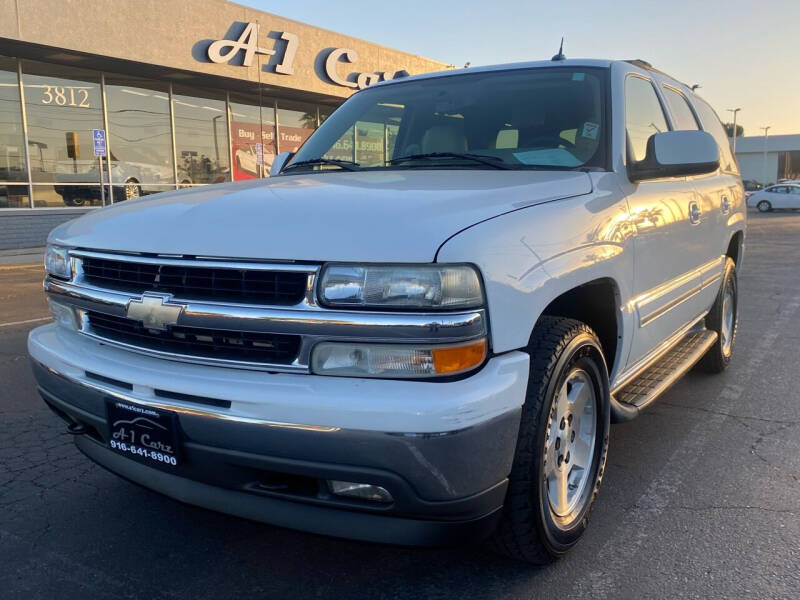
[63, 105]
[296, 123]
[252, 123]
[14, 196]
[12, 142]
[139, 135]
[325, 112]
[201, 136]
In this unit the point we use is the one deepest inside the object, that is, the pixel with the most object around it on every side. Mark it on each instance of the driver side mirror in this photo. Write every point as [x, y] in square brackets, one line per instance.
[676, 154]
[280, 162]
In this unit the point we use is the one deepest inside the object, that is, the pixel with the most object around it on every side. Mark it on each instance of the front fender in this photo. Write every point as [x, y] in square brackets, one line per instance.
[531, 256]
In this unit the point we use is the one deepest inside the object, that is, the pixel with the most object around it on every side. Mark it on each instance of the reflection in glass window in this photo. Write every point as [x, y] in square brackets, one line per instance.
[60, 194]
[296, 123]
[374, 138]
[201, 136]
[682, 116]
[14, 196]
[644, 116]
[325, 112]
[139, 135]
[63, 106]
[252, 123]
[12, 142]
[712, 125]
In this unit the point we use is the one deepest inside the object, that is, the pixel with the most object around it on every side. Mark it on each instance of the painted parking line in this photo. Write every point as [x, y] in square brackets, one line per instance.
[29, 265]
[12, 323]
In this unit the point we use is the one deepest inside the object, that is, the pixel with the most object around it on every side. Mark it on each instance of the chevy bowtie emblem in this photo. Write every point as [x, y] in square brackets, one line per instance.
[155, 311]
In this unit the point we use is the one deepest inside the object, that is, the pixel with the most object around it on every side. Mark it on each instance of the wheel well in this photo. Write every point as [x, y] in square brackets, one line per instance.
[595, 303]
[735, 246]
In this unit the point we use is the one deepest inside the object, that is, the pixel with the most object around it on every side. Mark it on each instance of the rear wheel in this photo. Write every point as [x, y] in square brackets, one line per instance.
[724, 319]
[764, 206]
[562, 444]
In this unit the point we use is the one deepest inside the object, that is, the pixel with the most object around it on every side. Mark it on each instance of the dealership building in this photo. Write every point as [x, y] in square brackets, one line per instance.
[183, 94]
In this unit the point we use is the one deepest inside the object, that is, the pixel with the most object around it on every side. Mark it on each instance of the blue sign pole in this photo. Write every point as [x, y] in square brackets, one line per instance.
[99, 142]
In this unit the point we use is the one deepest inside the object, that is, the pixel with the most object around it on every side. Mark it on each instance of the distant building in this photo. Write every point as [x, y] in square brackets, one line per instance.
[782, 157]
[187, 94]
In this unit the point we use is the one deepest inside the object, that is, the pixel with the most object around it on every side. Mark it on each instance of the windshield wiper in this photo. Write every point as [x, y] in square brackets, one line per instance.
[492, 161]
[347, 165]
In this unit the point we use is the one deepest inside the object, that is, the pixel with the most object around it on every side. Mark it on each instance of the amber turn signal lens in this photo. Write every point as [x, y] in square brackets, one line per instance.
[459, 358]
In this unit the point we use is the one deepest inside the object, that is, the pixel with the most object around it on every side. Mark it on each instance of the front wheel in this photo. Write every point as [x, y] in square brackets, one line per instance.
[562, 444]
[764, 206]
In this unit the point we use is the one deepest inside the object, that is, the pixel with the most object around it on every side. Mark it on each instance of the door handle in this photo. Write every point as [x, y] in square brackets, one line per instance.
[694, 213]
[726, 205]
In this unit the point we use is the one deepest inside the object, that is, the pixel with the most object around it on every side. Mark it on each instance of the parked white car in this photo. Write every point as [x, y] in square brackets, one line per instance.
[781, 196]
[425, 343]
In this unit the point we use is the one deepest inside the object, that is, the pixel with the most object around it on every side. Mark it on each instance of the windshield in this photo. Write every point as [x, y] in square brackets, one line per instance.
[551, 118]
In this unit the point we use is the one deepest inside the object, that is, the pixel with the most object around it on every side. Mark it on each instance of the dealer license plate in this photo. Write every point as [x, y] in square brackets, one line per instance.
[147, 434]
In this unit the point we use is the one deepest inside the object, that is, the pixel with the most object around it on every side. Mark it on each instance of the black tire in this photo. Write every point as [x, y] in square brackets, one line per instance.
[718, 357]
[529, 530]
[764, 206]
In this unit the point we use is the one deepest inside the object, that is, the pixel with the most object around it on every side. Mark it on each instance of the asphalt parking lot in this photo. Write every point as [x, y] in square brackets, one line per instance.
[701, 497]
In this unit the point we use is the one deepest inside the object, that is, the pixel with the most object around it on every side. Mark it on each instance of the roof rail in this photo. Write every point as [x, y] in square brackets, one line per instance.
[643, 64]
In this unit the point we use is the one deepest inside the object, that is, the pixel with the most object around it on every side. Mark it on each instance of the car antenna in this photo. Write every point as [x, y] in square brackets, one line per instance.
[560, 55]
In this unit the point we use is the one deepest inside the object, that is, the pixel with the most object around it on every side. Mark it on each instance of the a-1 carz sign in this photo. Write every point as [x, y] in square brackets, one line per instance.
[225, 50]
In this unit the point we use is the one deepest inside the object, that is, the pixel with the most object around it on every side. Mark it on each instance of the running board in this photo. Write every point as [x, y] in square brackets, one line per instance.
[659, 377]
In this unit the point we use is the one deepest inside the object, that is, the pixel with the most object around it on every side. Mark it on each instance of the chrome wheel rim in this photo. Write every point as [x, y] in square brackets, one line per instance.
[131, 191]
[570, 443]
[727, 321]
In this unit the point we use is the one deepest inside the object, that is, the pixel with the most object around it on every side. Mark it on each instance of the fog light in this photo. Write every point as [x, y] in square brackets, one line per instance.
[364, 491]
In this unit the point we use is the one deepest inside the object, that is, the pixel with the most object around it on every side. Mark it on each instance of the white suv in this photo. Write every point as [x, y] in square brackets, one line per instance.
[420, 328]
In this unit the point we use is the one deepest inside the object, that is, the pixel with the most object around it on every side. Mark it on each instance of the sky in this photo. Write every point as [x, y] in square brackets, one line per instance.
[743, 53]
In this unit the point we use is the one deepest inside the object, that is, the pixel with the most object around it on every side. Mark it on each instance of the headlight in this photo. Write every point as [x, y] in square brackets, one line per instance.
[56, 262]
[396, 361]
[402, 286]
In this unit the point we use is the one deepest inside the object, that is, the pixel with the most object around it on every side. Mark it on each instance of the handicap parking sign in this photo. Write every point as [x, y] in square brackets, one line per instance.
[99, 137]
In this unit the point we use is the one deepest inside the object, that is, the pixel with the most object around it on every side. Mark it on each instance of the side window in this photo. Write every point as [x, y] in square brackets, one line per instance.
[682, 116]
[711, 124]
[643, 115]
[796, 190]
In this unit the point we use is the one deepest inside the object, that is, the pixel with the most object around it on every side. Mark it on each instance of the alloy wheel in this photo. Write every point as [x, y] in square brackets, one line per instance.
[570, 443]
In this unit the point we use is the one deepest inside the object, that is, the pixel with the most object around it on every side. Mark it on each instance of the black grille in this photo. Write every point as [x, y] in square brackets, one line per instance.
[281, 288]
[198, 342]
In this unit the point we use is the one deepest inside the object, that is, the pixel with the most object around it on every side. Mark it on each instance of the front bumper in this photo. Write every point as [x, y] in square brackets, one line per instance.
[447, 485]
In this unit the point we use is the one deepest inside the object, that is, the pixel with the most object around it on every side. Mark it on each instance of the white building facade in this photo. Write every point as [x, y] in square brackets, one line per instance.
[769, 159]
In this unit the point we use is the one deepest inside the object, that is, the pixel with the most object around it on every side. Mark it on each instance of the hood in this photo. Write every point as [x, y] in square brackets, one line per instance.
[376, 216]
